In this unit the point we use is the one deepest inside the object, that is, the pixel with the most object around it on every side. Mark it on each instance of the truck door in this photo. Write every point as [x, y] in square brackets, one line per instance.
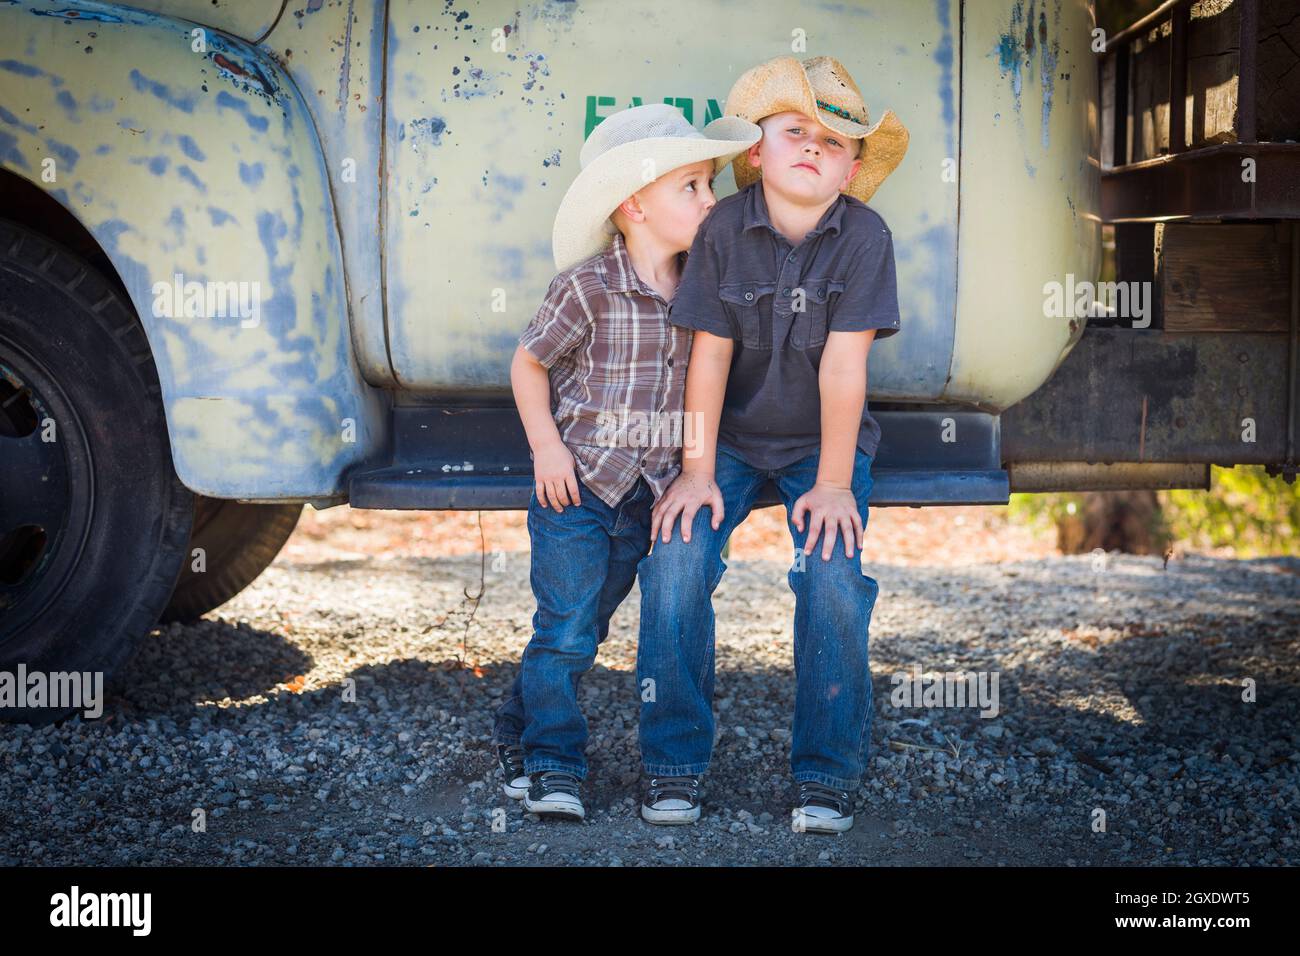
[488, 105]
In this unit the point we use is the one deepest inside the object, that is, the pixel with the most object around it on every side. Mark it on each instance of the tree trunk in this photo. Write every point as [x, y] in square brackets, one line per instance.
[1127, 521]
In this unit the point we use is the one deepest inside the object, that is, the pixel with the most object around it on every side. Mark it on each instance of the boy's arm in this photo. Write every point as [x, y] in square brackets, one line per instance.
[553, 467]
[696, 305]
[706, 384]
[842, 380]
[867, 310]
[830, 504]
[560, 326]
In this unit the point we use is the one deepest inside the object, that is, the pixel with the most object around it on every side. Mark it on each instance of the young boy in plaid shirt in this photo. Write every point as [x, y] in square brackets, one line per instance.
[601, 353]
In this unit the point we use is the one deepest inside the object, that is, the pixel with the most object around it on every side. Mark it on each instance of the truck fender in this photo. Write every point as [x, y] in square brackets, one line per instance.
[193, 161]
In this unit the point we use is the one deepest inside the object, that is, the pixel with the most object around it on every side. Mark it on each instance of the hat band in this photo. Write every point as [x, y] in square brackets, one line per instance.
[839, 111]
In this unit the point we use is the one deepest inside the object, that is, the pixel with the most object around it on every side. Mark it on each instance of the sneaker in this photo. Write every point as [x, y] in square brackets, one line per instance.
[554, 791]
[671, 800]
[822, 809]
[511, 759]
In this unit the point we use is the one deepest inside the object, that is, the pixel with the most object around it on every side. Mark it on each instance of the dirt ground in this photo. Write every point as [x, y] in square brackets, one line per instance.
[339, 712]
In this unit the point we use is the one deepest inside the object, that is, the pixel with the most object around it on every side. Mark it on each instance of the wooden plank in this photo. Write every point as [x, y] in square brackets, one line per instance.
[1211, 104]
[1230, 277]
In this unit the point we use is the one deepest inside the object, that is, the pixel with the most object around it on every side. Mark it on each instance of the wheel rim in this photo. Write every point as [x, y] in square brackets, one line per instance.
[43, 518]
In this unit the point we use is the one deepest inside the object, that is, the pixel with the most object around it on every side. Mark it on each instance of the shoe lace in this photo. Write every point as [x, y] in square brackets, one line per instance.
[814, 794]
[674, 788]
[557, 781]
[512, 755]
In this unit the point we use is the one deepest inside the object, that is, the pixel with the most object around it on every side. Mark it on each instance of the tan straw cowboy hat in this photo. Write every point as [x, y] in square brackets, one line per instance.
[819, 87]
[625, 153]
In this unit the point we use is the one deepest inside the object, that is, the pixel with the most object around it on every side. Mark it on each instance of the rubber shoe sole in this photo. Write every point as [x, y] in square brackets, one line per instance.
[560, 805]
[670, 817]
[517, 788]
[803, 822]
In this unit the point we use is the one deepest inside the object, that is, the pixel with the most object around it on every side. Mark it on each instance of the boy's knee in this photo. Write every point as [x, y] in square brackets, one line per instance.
[676, 564]
[576, 647]
[838, 572]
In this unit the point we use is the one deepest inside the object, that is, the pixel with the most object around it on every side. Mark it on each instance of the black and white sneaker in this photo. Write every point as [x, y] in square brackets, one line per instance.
[821, 809]
[555, 792]
[510, 757]
[671, 800]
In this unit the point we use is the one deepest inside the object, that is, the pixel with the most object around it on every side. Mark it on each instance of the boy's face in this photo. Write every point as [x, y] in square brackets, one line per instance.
[673, 206]
[803, 160]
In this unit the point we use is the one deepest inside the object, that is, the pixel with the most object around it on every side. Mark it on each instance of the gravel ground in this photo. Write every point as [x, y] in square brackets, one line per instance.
[1120, 690]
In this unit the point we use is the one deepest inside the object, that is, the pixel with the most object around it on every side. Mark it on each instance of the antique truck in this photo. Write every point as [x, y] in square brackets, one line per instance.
[259, 253]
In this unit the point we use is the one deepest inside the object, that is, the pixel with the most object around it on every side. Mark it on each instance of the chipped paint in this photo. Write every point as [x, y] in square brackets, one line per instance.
[1030, 197]
[246, 19]
[280, 164]
[1030, 35]
[334, 53]
[175, 141]
[246, 78]
[1011, 52]
[73, 13]
[943, 55]
[503, 160]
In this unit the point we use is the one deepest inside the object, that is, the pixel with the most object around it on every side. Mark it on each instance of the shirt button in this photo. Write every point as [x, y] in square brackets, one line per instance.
[670, 362]
[749, 296]
[785, 291]
[790, 257]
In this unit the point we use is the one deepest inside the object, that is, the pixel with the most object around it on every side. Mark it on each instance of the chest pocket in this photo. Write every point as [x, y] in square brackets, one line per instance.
[810, 326]
[750, 306]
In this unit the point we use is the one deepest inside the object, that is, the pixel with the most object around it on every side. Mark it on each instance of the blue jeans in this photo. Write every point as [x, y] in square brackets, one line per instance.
[833, 601]
[584, 562]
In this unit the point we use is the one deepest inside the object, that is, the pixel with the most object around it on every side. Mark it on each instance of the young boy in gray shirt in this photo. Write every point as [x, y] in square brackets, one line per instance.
[787, 284]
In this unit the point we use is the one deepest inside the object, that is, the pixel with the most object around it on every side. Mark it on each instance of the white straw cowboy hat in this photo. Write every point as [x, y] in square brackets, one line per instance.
[625, 153]
[819, 87]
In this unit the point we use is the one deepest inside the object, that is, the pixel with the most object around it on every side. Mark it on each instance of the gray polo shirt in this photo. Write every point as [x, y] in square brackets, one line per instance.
[744, 281]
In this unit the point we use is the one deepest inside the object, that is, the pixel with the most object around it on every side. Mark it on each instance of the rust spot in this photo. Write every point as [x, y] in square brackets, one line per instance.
[225, 64]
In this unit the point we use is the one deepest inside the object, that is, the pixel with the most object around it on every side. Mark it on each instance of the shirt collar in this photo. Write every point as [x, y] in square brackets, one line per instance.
[619, 274]
[755, 213]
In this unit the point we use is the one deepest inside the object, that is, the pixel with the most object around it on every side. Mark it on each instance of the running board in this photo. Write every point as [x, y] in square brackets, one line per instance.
[462, 458]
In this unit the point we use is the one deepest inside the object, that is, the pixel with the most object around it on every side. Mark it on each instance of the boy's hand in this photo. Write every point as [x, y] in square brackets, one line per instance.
[833, 509]
[553, 473]
[686, 495]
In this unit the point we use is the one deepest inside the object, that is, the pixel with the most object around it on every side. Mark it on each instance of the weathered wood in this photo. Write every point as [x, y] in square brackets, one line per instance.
[1114, 129]
[1149, 106]
[1225, 277]
[1210, 106]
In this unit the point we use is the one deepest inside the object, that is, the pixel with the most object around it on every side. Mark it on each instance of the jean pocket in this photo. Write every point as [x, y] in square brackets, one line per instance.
[750, 305]
[812, 322]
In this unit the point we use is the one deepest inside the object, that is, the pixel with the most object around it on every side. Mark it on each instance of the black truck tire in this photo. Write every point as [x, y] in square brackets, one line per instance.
[238, 541]
[93, 519]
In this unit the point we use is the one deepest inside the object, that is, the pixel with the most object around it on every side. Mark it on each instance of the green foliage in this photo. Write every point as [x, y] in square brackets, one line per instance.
[1044, 510]
[1244, 509]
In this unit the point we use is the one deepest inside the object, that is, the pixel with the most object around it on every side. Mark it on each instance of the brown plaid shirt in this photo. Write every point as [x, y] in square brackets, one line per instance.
[618, 374]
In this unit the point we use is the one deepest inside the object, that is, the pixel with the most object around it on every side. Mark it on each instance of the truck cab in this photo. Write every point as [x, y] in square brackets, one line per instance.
[265, 253]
